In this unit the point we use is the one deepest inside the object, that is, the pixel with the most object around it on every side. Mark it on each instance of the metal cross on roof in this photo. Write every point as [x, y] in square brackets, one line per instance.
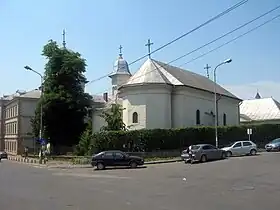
[120, 48]
[149, 44]
[207, 67]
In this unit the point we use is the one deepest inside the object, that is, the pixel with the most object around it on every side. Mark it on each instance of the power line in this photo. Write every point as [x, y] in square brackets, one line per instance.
[220, 38]
[232, 40]
[226, 34]
[195, 29]
[180, 37]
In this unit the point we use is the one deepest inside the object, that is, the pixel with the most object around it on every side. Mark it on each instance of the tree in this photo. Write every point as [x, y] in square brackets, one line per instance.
[84, 144]
[65, 104]
[113, 118]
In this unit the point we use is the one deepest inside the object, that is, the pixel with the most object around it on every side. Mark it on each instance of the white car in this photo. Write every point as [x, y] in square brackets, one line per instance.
[241, 148]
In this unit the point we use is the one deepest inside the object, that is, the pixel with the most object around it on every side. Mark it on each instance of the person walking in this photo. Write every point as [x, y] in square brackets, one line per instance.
[25, 152]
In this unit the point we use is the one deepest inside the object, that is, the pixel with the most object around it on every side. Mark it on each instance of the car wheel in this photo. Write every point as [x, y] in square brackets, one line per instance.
[253, 152]
[100, 166]
[224, 155]
[203, 158]
[229, 153]
[133, 164]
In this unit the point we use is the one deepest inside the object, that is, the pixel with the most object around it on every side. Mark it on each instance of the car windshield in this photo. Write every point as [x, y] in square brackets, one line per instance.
[230, 144]
[276, 140]
[195, 147]
[98, 154]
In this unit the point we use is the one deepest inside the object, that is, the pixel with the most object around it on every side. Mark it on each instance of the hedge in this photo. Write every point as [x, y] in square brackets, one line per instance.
[174, 139]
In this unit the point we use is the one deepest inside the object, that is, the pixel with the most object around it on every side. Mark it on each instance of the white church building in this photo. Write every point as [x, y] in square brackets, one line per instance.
[159, 95]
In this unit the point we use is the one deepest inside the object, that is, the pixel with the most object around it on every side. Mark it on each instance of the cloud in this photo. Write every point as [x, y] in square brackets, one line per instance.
[248, 91]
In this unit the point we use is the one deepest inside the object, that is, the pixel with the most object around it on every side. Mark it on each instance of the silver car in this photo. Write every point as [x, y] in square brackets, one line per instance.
[240, 148]
[203, 153]
[273, 145]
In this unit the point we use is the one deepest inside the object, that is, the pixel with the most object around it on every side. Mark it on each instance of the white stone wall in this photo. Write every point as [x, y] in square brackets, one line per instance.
[186, 101]
[97, 121]
[160, 106]
[152, 103]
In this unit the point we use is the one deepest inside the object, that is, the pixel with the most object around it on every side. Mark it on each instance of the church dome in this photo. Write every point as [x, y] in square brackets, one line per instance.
[121, 66]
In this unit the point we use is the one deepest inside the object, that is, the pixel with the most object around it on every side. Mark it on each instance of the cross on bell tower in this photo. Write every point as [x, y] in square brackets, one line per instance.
[149, 44]
[120, 48]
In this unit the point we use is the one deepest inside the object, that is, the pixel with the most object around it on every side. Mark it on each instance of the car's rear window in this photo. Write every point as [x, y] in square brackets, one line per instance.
[195, 147]
[275, 141]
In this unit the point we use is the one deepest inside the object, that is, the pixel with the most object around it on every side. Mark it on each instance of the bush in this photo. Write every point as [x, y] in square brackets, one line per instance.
[173, 139]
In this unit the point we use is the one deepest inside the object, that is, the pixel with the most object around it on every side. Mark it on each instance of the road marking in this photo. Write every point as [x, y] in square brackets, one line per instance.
[91, 175]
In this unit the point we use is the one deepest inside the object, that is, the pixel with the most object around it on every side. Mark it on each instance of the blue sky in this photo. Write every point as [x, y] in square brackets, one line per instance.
[97, 28]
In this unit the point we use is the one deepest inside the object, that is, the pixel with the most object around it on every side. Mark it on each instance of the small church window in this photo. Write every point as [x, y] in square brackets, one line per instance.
[225, 119]
[197, 117]
[134, 117]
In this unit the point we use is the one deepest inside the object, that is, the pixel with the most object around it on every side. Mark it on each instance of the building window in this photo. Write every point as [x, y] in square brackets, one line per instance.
[134, 117]
[197, 117]
[225, 119]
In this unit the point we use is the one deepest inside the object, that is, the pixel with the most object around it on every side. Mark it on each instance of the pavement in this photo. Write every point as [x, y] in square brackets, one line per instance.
[236, 183]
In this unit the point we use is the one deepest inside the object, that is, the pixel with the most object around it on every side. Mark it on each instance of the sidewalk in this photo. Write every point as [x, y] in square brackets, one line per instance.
[61, 164]
[23, 160]
[65, 164]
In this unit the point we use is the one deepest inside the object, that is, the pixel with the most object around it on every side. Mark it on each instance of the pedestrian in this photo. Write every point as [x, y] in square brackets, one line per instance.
[25, 152]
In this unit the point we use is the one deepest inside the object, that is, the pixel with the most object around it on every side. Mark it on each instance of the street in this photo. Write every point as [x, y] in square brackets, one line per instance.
[235, 183]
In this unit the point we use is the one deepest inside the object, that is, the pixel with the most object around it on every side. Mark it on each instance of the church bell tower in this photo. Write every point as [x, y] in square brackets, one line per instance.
[121, 73]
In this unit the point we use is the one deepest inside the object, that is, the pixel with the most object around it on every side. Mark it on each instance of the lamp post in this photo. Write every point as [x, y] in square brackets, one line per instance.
[28, 68]
[215, 100]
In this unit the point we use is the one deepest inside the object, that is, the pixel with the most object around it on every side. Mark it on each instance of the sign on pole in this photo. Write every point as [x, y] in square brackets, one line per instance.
[249, 132]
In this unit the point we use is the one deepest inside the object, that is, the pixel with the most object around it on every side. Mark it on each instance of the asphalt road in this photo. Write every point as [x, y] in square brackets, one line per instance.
[237, 183]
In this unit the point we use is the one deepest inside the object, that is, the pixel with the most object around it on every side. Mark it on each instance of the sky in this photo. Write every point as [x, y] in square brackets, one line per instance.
[97, 28]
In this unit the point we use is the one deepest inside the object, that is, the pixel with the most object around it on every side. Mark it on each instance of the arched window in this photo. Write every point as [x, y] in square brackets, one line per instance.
[197, 117]
[134, 117]
[225, 119]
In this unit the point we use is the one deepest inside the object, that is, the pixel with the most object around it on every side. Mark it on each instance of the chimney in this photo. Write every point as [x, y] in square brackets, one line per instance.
[105, 97]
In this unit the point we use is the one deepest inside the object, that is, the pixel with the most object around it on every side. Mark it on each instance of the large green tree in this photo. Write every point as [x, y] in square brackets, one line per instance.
[113, 118]
[65, 104]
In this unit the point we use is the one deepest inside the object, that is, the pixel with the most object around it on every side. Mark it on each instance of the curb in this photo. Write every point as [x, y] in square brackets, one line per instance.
[162, 161]
[89, 166]
[23, 160]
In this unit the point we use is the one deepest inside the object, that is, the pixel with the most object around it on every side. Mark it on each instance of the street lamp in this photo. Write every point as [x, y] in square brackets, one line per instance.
[215, 100]
[28, 68]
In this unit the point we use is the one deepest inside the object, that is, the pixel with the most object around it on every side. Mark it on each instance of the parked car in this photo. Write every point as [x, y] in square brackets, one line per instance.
[115, 158]
[239, 148]
[205, 152]
[3, 155]
[273, 145]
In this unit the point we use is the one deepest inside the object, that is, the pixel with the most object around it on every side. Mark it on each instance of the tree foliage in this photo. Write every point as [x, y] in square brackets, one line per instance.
[113, 118]
[84, 144]
[65, 104]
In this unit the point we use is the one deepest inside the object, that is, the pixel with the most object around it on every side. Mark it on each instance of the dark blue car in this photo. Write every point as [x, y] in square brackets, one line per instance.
[273, 145]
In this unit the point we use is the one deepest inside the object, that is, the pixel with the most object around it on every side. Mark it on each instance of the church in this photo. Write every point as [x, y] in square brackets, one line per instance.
[163, 96]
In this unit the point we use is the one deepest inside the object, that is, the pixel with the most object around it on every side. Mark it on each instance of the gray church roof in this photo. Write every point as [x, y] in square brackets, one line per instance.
[156, 72]
[121, 66]
[260, 109]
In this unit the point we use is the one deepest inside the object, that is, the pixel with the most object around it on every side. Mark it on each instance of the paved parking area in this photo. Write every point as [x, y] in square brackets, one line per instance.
[235, 183]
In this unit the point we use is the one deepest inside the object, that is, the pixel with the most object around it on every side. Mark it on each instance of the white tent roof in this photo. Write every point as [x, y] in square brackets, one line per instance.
[260, 109]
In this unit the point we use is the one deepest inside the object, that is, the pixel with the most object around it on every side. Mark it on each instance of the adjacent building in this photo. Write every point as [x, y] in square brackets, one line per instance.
[159, 95]
[260, 111]
[16, 113]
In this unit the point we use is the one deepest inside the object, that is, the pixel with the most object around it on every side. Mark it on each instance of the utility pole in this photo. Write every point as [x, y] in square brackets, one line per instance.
[215, 100]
